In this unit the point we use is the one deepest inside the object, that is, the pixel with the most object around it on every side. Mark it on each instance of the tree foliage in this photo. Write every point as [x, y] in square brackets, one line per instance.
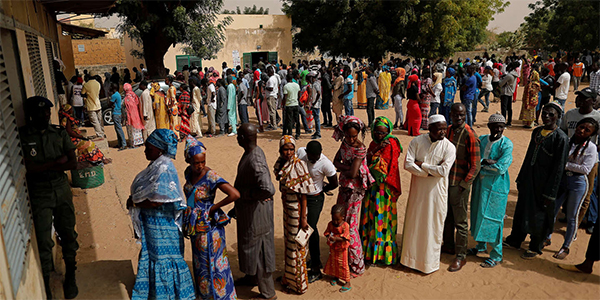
[157, 25]
[511, 40]
[247, 11]
[570, 25]
[370, 28]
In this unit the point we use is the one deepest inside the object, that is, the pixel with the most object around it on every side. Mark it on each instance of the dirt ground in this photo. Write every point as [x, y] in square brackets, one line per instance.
[108, 252]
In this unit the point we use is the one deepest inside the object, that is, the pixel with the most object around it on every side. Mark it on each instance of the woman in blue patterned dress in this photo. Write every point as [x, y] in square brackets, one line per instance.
[204, 222]
[156, 205]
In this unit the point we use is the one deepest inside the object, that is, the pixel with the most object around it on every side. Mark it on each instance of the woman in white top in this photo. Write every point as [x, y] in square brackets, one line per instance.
[486, 88]
[437, 90]
[583, 155]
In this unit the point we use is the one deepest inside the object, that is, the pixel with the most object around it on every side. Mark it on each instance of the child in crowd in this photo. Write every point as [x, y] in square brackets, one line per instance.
[338, 239]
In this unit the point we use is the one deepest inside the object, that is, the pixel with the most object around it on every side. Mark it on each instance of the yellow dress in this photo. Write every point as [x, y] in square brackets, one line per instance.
[361, 93]
[385, 85]
[161, 114]
[173, 108]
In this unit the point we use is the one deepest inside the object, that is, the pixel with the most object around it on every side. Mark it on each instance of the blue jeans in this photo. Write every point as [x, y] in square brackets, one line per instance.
[79, 114]
[592, 212]
[303, 117]
[561, 101]
[484, 93]
[573, 190]
[433, 109]
[316, 112]
[348, 109]
[468, 105]
[243, 109]
[121, 142]
[445, 110]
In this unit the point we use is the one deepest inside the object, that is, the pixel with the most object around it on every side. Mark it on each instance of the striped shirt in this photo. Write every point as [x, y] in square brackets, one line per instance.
[468, 159]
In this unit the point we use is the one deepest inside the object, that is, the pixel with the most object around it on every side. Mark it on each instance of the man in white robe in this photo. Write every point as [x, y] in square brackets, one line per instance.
[429, 159]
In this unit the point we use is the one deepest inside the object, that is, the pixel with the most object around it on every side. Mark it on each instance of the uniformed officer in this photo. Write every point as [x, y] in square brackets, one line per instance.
[48, 152]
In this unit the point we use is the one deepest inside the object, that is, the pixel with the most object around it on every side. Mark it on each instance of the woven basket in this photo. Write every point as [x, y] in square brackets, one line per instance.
[88, 178]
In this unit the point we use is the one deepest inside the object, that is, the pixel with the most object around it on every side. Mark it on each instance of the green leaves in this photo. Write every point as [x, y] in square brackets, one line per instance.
[370, 28]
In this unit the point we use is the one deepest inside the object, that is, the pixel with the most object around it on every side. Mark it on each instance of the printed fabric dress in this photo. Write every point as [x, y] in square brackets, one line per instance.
[161, 111]
[379, 215]
[184, 103]
[426, 97]
[337, 263]
[212, 272]
[351, 193]
[384, 83]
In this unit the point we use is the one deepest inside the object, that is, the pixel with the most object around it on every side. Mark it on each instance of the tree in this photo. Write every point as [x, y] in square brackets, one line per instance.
[511, 41]
[370, 28]
[247, 11]
[157, 25]
[560, 24]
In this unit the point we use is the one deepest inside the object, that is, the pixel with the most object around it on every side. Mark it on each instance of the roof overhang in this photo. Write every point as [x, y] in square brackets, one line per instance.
[79, 6]
[82, 31]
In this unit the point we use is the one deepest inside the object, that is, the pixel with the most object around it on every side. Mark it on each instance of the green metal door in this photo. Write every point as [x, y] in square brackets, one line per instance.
[181, 61]
[272, 56]
[247, 60]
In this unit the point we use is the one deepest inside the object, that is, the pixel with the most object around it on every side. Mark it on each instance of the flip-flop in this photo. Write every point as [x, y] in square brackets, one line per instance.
[333, 282]
[489, 263]
[345, 289]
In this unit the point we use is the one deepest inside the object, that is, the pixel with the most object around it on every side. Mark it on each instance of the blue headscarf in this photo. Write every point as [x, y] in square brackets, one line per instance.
[451, 71]
[193, 147]
[164, 139]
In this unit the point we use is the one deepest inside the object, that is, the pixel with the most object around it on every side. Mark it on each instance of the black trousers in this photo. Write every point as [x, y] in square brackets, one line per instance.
[371, 110]
[326, 109]
[506, 108]
[314, 206]
[291, 120]
[593, 250]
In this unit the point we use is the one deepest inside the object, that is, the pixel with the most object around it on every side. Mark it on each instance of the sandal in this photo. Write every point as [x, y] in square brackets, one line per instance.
[333, 282]
[345, 289]
[562, 253]
[529, 255]
[489, 263]
[547, 242]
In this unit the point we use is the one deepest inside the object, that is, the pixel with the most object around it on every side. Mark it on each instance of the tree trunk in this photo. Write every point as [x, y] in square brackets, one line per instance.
[155, 49]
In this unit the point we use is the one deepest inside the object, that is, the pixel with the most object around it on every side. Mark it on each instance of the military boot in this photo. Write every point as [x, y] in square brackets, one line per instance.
[70, 286]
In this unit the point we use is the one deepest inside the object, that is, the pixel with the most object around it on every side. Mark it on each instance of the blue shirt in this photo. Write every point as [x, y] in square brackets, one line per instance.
[349, 84]
[449, 84]
[471, 85]
[116, 99]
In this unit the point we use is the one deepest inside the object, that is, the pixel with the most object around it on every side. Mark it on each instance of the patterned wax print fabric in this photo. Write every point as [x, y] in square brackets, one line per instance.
[162, 271]
[161, 111]
[379, 222]
[361, 90]
[295, 276]
[426, 97]
[212, 272]
[86, 150]
[184, 103]
[337, 263]
[385, 87]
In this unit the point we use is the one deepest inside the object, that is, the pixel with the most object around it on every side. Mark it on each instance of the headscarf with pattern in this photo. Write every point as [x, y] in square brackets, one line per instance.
[385, 122]
[384, 155]
[165, 140]
[293, 173]
[193, 147]
[155, 87]
[338, 133]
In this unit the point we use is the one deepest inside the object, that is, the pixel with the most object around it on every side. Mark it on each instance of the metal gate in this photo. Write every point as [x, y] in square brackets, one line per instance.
[15, 210]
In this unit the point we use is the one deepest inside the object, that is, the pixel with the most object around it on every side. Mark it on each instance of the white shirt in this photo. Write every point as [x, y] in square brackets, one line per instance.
[437, 90]
[319, 170]
[563, 90]
[211, 96]
[273, 83]
[77, 99]
[496, 77]
[486, 82]
[147, 104]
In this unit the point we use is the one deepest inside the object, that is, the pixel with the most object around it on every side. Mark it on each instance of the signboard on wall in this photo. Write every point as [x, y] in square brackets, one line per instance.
[236, 58]
[81, 48]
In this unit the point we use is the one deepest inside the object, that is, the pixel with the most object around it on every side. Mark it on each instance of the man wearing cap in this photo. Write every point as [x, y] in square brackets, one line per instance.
[92, 103]
[538, 182]
[584, 109]
[490, 192]
[463, 173]
[429, 160]
[48, 152]
[319, 167]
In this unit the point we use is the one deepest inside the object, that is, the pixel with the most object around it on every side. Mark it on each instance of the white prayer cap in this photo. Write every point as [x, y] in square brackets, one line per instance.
[497, 118]
[436, 119]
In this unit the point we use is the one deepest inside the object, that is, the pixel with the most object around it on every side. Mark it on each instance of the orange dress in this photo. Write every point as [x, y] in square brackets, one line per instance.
[337, 263]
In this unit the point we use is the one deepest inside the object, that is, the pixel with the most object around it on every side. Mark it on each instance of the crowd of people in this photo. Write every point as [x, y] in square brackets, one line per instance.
[451, 167]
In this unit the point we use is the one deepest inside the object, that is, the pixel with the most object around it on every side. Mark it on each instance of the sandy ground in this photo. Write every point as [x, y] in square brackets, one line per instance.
[108, 253]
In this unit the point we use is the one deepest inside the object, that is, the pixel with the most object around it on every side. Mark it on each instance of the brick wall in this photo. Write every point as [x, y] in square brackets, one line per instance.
[98, 52]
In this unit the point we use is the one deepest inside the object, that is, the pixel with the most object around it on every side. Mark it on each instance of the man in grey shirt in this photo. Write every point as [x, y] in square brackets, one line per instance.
[372, 92]
[507, 85]
[242, 95]
[254, 213]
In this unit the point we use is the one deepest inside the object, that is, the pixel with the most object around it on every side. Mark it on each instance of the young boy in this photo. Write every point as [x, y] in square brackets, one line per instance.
[490, 192]
[116, 103]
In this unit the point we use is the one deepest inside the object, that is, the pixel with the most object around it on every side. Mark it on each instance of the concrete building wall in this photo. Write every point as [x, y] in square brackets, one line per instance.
[98, 52]
[244, 35]
[130, 60]
[66, 52]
